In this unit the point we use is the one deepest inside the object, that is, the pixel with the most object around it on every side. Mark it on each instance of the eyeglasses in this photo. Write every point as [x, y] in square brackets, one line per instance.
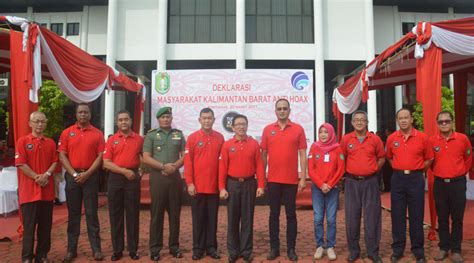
[444, 122]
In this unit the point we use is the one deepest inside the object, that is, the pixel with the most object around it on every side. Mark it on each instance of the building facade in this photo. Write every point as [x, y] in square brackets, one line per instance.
[331, 37]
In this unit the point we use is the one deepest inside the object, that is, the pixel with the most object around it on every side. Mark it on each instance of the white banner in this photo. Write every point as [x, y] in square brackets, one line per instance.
[252, 93]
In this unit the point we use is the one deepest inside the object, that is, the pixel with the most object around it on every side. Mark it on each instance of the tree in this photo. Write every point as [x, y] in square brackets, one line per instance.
[447, 103]
[52, 101]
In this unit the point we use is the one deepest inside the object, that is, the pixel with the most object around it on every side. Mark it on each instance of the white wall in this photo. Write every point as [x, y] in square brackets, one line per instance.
[384, 30]
[344, 37]
[137, 35]
[97, 37]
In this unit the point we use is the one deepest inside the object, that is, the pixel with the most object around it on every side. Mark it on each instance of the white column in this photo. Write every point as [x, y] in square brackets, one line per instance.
[451, 13]
[397, 28]
[162, 33]
[240, 34]
[340, 81]
[84, 27]
[142, 116]
[320, 102]
[29, 13]
[110, 60]
[451, 82]
[370, 50]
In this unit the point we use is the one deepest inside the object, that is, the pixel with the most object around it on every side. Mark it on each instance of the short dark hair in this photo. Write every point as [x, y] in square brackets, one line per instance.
[206, 110]
[239, 116]
[124, 111]
[282, 99]
[83, 104]
[402, 109]
[445, 112]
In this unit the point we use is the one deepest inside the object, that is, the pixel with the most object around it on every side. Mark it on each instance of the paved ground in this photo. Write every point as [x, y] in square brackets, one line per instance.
[11, 251]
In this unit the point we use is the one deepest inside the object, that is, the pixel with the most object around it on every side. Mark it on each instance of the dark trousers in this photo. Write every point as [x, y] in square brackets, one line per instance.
[240, 211]
[165, 194]
[124, 197]
[286, 193]
[36, 216]
[363, 197]
[450, 199]
[204, 209]
[75, 194]
[408, 191]
[387, 174]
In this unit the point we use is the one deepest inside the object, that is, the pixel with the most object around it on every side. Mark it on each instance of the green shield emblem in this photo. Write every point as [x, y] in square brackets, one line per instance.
[162, 82]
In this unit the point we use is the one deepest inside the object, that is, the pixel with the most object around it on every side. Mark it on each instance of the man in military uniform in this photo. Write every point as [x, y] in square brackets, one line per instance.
[163, 152]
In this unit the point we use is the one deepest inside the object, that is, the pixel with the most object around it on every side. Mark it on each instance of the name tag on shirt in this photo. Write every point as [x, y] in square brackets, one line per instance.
[326, 158]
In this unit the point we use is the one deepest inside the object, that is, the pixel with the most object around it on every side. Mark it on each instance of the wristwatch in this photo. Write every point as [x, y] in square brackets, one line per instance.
[75, 174]
[48, 173]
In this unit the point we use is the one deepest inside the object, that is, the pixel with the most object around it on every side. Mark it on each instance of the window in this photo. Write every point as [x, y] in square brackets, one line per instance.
[279, 21]
[201, 21]
[72, 29]
[57, 28]
[407, 27]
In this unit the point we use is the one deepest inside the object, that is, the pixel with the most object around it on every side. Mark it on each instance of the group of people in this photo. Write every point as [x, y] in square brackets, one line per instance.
[238, 171]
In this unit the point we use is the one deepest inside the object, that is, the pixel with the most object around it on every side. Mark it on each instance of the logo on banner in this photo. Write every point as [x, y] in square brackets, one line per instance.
[162, 82]
[227, 120]
[299, 80]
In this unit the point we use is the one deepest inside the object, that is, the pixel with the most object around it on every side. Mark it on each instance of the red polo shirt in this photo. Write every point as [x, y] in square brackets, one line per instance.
[410, 153]
[361, 157]
[325, 172]
[39, 153]
[452, 156]
[201, 160]
[82, 145]
[124, 150]
[241, 159]
[282, 147]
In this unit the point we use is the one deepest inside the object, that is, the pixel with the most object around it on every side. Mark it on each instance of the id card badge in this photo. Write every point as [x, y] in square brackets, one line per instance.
[326, 158]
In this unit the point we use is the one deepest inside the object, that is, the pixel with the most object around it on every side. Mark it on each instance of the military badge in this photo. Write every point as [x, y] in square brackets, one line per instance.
[158, 136]
[232, 149]
[396, 144]
[350, 146]
[317, 156]
[273, 133]
[116, 142]
[29, 146]
[158, 148]
[200, 144]
[72, 134]
[436, 149]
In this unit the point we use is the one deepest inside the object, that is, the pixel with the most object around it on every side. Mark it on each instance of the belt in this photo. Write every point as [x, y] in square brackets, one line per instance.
[408, 172]
[241, 179]
[360, 178]
[450, 180]
[80, 170]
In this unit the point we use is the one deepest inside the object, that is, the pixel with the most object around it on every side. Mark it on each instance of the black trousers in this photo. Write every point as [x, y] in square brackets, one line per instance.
[240, 211]
[363, 197]
[286, 194]
[124, 197]
[75, 194]
[37, 216]
[408, 191]
[204, 209]
[450, 199]
[165, 194]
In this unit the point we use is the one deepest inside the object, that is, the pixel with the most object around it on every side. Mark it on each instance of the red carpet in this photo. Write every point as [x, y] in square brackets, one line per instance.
[468, 227]
[9, 224]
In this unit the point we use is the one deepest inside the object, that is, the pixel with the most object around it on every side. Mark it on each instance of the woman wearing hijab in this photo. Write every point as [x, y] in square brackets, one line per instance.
[325, 167]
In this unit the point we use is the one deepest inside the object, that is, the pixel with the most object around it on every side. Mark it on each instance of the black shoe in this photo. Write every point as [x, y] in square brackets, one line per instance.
[155, 257]
[98, 256]
[376, 259]
[197, 256]
[395, 258]
[421, 260]
[274, 253]
[57, 202]
[70, 256]
[176, 253]
[214, 255]
[248, 259]
[116, 256]
[134, 255]
[292, 255]
[352, 258]
[42, 260]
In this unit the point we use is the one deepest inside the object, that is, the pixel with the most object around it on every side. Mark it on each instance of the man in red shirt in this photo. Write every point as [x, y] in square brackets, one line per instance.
[364, 156]
[240, 162]
[122, 157]
[36, 158]
[452, 161]
[408, 152]
[80, 151]
[282, 143]
[201, 166]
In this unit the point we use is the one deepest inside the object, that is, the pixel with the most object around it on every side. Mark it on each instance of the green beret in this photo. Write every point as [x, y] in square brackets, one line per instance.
[163, 110]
